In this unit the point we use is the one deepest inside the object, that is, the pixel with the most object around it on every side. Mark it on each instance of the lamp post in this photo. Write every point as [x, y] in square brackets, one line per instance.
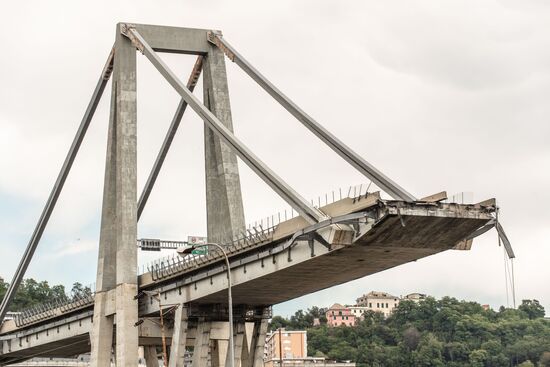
[185, 251]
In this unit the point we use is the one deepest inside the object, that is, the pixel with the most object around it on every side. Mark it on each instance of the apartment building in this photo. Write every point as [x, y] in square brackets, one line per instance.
[340, 315]
[416, 297]
[292, 342]
[377, 301]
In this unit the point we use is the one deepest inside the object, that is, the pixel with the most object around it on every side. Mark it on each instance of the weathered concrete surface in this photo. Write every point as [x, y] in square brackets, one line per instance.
[179, 338]
[117, 262]
[427, 231]
[150, 355]
[106, 263]
[224, 204]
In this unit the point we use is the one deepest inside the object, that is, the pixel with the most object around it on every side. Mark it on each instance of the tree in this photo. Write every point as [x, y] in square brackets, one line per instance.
[445, 332]
[278, 322]
[429, 352]
[3, 288]
[411, 338]
[478, 358]
[79, 291]
[532, 308]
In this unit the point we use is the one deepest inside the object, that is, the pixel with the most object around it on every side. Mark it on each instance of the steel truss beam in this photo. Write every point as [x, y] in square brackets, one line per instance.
[191, 83]
[367, 169]
[311, 214]
[58, 186]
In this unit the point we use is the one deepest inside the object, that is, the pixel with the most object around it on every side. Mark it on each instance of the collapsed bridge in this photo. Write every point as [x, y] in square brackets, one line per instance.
[324, 246]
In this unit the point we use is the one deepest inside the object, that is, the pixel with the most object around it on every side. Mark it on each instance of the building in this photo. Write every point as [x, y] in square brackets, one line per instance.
[379, 302]
[340, 315]
[294, 346]
[416, 297]
[292, 342]
[358, 311]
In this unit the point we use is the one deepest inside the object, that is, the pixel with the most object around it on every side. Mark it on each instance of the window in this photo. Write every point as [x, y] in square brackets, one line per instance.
[340, 313]
[334, 317]
[378, 305]
[370, 304]
[386, 305]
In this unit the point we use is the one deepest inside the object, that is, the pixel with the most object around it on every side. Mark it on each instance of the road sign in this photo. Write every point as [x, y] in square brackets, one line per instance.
[197, 241]
[150, 245]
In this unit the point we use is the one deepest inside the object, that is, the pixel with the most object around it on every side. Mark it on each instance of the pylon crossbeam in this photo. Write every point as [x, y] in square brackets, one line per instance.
[311, 214]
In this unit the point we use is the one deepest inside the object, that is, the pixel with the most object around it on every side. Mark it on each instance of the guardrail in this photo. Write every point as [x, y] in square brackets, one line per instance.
[170, 265]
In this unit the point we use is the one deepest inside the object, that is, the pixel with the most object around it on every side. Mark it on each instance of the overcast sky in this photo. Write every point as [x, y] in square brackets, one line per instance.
[439, 95]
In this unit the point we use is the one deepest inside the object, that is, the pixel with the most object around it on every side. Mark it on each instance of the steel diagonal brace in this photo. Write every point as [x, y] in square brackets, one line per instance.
[367, 169]
[191, 83]
[311, 214]
[58, 186]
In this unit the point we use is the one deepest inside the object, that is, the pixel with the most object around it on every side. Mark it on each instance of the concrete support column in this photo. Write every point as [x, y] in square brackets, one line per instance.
[179, 338]
[117, 260]
[201, 350]
[256, 356]
[101, 338]
[219, 354]
[150, 355]
[241, 346]
[224, 206]
[126, 202]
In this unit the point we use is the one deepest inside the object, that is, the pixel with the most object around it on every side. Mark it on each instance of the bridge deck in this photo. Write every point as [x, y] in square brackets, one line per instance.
[273, 270]
[425, 232]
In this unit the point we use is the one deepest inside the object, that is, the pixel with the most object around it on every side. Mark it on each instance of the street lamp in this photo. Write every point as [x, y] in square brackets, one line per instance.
[182, 251]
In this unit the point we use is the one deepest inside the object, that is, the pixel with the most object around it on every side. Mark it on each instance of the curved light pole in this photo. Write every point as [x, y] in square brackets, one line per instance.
[185, 251]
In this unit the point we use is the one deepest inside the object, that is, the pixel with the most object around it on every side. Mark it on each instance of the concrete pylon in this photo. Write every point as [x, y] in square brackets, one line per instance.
[117, 261]
[102, 334]
[224, 205]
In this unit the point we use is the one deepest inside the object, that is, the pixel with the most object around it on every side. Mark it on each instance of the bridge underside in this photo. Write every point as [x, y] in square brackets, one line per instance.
[270, 272]
[393, 241]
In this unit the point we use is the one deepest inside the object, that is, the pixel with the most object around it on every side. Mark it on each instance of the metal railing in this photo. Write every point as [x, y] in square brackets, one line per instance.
[255, 234]
[70, 302]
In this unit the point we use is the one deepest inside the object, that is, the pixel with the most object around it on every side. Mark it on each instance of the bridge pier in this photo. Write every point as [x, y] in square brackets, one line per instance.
[117, 259]
[179, 337]
[256, 355]
[220, 350]
[241, 346]
[150, 355]
[201, 351]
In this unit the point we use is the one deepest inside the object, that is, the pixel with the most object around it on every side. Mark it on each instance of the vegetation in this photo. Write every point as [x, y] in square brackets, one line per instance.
[444, 332]
[32, 293]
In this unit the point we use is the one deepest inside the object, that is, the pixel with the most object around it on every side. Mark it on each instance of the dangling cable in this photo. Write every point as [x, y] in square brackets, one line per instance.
[513, 283]
[505, 277]
[504, 259]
